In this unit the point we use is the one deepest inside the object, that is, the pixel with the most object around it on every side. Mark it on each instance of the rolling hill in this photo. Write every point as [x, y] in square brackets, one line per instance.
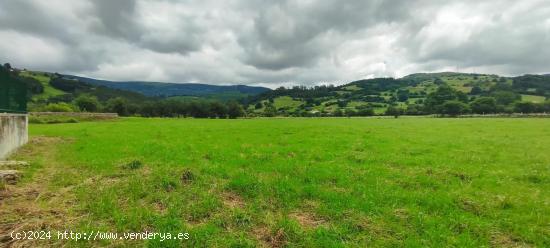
[160, 89]
[411, 94]
[408, 93]
[51, 89]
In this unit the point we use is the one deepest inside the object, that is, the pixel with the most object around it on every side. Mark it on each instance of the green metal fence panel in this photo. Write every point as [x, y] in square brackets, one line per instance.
[13, 93]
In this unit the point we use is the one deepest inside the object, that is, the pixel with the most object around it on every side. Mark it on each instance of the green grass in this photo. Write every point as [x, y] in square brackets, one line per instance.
[49, 91]
[352, 88]
[327, 182]
[225, 96]
[286, 102]
[533, 98]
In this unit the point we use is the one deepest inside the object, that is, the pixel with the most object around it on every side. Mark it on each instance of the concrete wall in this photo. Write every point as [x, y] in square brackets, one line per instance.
[13, 133]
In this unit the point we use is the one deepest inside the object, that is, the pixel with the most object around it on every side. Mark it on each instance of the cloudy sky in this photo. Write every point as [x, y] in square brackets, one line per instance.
[274, 43]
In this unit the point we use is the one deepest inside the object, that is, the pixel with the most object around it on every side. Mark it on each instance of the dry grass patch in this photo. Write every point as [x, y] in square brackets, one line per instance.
[506, 241]
[232, 200]
[21, 207]
[268, 238]
[307, 219]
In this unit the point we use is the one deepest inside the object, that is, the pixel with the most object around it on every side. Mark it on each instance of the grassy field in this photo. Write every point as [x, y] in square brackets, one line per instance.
[334, 182]
[532, 98]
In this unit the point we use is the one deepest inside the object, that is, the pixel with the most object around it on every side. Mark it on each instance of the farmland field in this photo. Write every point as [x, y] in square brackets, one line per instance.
[326, 182]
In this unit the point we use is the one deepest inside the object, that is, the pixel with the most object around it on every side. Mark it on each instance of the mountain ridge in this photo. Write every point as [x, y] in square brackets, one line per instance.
[164, 89]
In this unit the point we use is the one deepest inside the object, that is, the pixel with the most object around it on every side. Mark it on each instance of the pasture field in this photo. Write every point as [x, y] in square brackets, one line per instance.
[288, 182]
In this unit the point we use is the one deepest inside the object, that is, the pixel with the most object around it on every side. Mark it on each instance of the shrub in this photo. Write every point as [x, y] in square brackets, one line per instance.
[58, 107]
[133, 165]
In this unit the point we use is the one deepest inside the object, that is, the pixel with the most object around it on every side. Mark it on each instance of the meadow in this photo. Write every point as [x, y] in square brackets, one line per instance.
[289, 182]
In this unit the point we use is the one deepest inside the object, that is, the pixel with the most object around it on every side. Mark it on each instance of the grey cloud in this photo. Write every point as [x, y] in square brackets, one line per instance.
[117, 18]
[275, 42]
[120, 19]
[291, 34]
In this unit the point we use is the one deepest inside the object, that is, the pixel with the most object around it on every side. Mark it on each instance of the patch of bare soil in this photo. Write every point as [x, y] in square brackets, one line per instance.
[233, 200]
[506, 241]
[307, 220]
[267, 238]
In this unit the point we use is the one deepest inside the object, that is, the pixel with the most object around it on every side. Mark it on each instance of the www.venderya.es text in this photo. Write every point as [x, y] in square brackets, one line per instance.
[97, 235]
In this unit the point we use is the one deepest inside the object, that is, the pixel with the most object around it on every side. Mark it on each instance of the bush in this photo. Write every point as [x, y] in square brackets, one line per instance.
[133, 165]
[58, 107]
[51, 119]
[35, 120]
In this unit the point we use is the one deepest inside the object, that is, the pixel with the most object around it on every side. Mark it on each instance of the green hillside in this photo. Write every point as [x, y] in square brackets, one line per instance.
[53, 93]
[44, 79]
[408, 95]
[446, 93]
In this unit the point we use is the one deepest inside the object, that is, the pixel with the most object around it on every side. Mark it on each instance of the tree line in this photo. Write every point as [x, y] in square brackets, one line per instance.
[158, 108]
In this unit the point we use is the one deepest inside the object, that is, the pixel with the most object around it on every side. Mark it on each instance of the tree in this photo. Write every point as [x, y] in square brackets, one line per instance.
[525, 107]
[337, 113]
[438, 81]
[234, 110]
[546, 106]
[484, 105]
[414, 109]
[505, 97]
[33, 86]
[350, 112]
[87, 103]
[476, 90]
[443, 93]
[218, 110]
[365, 111]
[453, 108]
[269, 110]
[258, 105]
[118, 105]
[403, 95]
[7, 66]
[198, 109]
[342, 104]
[395, 111]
